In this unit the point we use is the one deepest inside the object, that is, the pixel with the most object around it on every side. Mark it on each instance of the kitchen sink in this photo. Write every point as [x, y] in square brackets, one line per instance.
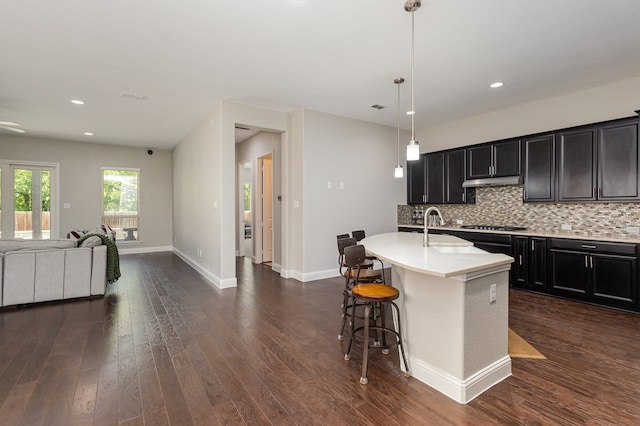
[459, 249]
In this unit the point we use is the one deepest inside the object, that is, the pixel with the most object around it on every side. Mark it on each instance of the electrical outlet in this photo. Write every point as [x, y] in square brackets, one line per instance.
[329, 185]
[633, 230]
[459, 221]
[565, 227]
[492, 293]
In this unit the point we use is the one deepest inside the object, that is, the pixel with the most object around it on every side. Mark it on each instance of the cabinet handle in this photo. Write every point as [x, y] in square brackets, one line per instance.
[533, 248]
[524, 195]
[464, 196]
[591, 261]
[593, 193]
[586, 262]
[588, 246]
[599, 192]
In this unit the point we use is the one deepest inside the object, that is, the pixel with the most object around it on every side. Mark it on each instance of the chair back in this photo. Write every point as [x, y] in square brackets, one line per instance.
[345, 242]
[354, 255]
[358, 235]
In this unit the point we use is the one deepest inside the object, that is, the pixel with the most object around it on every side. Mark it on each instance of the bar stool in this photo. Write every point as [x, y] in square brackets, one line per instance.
[375, 298]
[360, 272]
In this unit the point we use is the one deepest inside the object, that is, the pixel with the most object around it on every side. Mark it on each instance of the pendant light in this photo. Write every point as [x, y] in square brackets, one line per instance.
[413, 149]
[399, 170]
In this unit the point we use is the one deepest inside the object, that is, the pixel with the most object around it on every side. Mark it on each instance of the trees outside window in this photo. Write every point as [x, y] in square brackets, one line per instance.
[121, 193]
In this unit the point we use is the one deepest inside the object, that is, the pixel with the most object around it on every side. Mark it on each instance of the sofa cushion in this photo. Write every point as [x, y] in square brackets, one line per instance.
[14, 245]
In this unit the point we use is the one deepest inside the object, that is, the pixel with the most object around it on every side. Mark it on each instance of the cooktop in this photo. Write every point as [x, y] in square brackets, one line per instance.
[494, 227]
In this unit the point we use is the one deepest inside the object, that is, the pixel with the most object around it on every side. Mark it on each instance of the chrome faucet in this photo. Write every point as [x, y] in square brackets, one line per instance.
[427, 212]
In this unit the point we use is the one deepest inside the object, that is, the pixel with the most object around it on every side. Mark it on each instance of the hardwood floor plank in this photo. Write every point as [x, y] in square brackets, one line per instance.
[16, 402]
[163, 347]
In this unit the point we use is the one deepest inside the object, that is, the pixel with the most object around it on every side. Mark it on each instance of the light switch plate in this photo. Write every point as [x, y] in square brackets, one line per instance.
[565, 227]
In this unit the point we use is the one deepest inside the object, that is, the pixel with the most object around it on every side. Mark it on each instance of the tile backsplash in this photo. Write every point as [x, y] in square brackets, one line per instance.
[503, 206]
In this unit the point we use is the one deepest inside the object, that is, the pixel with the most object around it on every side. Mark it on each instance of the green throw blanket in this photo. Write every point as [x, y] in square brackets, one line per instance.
[113, 258]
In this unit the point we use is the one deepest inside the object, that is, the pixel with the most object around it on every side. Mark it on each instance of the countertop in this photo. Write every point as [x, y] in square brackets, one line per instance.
[405, 249]
[537, 233]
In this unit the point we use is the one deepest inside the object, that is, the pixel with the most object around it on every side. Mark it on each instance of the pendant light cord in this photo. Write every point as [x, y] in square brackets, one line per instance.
[398, 124]
[413, 108]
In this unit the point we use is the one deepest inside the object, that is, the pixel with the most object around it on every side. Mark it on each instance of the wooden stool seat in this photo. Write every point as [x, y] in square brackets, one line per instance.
[375, 292]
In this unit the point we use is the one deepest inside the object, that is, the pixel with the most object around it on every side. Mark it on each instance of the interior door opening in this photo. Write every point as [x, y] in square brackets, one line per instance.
[266, 168]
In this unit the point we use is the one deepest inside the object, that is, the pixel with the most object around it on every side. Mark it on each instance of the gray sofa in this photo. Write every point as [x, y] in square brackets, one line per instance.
[41, 270]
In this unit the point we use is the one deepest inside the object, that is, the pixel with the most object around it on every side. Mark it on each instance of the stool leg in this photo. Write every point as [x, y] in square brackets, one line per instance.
[400, 345]
[345, 305]
[383, 314]
[347, 354]
[365, 353]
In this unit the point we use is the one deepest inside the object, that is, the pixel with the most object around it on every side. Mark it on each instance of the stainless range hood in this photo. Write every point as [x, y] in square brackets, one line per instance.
[496, 181]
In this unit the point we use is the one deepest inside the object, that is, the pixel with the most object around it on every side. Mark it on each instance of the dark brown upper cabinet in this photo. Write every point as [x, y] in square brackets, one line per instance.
[599, 162]
[435, 178]
[495, 159]
[454, 167]
[618, 162]
[539, 168]
[576, 156]
[417, 180]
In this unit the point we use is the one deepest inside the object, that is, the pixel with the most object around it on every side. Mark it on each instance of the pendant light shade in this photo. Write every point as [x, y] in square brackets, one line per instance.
[413, 148]
[399, 171]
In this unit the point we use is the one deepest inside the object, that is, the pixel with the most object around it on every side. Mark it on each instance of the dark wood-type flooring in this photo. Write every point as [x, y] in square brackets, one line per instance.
[164, 347]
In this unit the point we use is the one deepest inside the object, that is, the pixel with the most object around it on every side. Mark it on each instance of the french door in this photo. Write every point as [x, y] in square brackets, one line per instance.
[28, 201]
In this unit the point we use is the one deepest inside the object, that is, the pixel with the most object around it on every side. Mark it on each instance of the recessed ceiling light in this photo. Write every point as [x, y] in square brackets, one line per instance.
[88, 133]
[496, 84]
[77, 102]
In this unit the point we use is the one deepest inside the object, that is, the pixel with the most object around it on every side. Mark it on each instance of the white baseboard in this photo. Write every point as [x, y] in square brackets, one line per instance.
[211, 278]
[462, 391]
[139, 250]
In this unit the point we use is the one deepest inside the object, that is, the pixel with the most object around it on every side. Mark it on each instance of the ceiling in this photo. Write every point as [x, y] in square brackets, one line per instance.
[149, 71]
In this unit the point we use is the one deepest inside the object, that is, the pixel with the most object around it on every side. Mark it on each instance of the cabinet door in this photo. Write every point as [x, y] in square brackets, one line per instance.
[479, 161]
[576, 159]
[569, 272]
[506, 158]
[417, 180]
[435, 178]
[519, 270]
[539, 168]
[454, 177]
[618, 177]
[615, 279]
[537, 271]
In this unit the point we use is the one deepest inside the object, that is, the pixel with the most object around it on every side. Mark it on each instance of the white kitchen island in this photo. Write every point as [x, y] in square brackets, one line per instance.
[454, 330]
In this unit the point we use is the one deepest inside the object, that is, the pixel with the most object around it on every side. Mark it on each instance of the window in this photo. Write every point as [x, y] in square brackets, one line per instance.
[120, 200]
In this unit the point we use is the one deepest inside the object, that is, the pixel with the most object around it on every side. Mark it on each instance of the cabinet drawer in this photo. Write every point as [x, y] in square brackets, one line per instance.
[485, 237]
[594, 246]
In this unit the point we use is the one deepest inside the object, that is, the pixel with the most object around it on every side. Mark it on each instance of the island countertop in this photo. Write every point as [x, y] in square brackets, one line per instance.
[405, 249]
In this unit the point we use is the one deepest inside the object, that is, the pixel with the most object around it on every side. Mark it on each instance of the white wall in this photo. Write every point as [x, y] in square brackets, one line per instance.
[611, 101]
[204, 169]
[362, 156]
[81, 183]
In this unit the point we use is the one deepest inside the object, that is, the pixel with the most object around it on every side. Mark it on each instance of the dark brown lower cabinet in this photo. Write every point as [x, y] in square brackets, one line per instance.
[529, 269]
[600, 272]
